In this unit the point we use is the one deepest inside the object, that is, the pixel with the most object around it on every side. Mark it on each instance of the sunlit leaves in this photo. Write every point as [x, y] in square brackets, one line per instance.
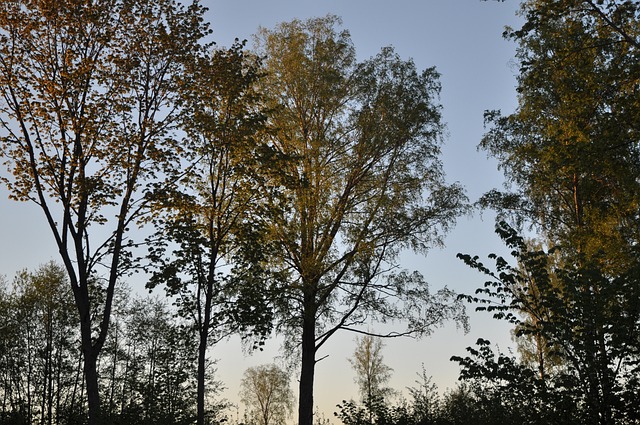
[571, 147]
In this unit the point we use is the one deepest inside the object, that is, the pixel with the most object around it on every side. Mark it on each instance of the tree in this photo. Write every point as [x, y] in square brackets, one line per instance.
[425, 404]
[88, 100]
[372, 374]
[612, 14]
[459, 406]
[155, 368]
[358, 148]
[571, 155]
[590, 318]
[499, 389]
[208, 253]
[38, 346]
[266, 394]
[571, 147]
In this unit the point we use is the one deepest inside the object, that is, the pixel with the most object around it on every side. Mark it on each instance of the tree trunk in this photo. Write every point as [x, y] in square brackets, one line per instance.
[305, 407]
[59, 377]
[91, 378]
[202, 352]
[90, 360]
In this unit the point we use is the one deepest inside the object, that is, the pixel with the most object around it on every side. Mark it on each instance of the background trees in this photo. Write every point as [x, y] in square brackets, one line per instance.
[147, 369]
[359, 144]
[38, 351]
[372, 374]
[424, 407]
[87, 101]
[372, 377]
[266, 395]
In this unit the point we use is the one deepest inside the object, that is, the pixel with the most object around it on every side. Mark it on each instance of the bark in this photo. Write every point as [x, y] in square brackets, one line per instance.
[305, 408]
[202, 353]
[90, 355]
[91, 379]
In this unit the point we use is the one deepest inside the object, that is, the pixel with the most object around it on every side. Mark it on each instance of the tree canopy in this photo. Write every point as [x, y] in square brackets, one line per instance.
[266, 395]
[359, 145]
[88, 101]
[570, 152]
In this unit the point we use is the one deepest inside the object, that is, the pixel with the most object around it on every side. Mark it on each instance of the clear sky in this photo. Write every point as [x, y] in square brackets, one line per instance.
[463, 39]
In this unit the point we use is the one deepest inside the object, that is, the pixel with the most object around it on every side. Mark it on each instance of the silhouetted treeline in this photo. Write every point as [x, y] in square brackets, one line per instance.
[147, 370]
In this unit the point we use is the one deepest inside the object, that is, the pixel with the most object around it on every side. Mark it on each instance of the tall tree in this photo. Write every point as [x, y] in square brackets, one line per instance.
[210, 255]
[571, 152]
[571, 148]
[361, 179]
[87, 102]
[266, 394]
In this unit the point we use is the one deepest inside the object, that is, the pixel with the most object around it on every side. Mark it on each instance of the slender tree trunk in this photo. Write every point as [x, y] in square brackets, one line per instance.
[5, 384]
[91, 379]
[76, 381]
[90, 362]
[126, 379]
[49, 366]
[29, 377]
[112, 389]
[202, 351]
[305, 407]
[59, 377]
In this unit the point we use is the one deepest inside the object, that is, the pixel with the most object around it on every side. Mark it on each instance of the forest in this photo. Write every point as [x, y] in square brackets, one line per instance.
[271, 188]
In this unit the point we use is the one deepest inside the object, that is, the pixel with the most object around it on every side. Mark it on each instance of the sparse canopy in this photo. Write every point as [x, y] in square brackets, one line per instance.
[372, 374]
[266, 395]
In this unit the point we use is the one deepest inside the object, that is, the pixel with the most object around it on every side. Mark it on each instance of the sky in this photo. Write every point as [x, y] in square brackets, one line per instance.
[463, 40]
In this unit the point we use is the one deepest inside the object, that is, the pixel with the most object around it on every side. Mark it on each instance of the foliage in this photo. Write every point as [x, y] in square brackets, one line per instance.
[570, 152]
[372, 374]
[209, 222]
[88, 102]
[38, 347]
[147, 368]
[358, 146]
[375, 411]
[266, 395]
[209, 252]
[590, 318]
[571, 147]
[426, 407]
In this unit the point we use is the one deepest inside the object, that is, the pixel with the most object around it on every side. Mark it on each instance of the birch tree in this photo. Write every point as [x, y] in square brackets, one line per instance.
[358, 144]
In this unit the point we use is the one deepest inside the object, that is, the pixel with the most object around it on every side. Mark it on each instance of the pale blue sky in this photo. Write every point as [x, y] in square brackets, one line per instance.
[462, 38]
